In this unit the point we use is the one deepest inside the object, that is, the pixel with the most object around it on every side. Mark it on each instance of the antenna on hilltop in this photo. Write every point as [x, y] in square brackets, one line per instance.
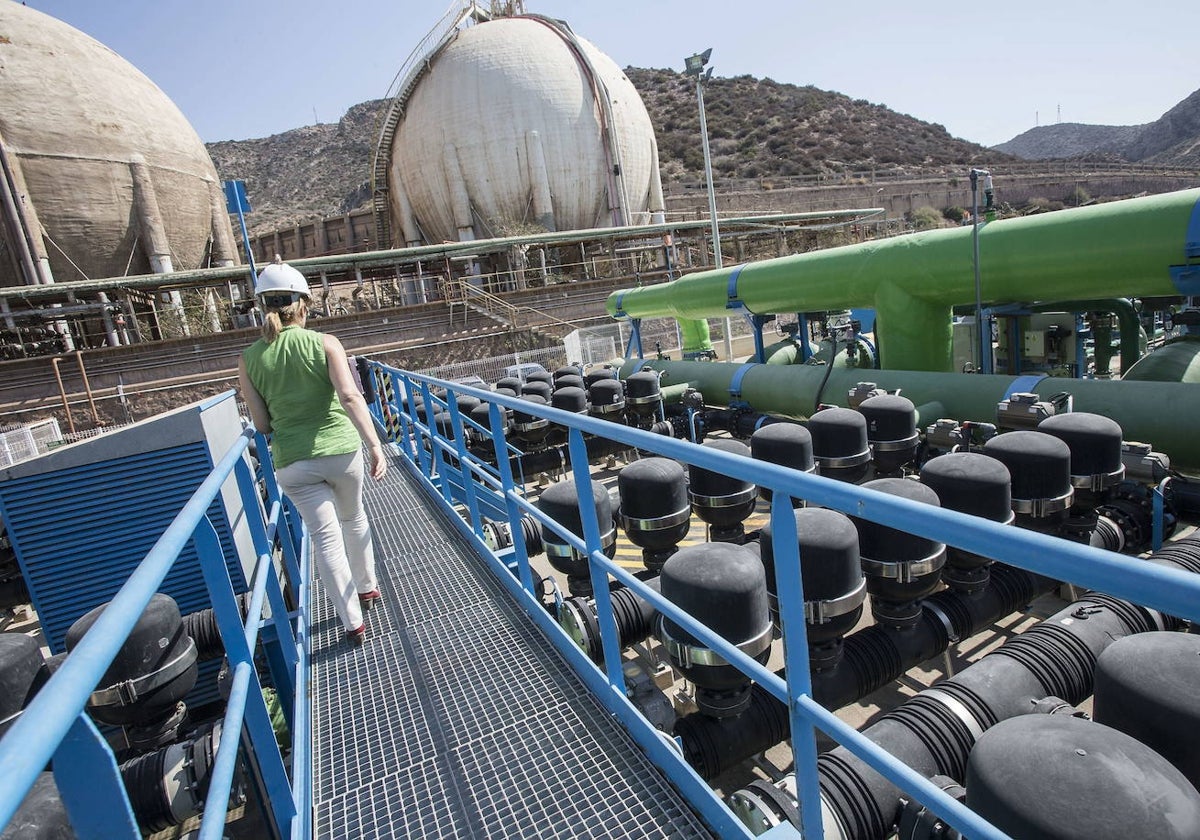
[1060, 112]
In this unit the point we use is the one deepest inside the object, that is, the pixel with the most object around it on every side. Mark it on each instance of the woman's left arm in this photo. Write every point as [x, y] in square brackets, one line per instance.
[254, 401]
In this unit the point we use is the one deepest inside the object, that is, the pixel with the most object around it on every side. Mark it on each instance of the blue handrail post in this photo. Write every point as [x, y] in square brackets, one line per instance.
[90, 785]
[288, 528]
[466, 479]
[790, 588]
[591, 537]
[500, 447]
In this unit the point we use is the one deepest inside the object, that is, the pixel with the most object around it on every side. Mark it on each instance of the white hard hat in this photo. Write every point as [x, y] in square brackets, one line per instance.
[279, 278]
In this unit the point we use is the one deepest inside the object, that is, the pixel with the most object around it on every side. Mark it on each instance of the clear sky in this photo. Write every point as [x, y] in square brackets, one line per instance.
[986, 71]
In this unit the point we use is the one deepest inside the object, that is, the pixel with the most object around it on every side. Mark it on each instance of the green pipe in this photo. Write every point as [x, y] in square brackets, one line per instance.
[1176, 361]
[1159, 413]
[695, 335]
[1123, 248]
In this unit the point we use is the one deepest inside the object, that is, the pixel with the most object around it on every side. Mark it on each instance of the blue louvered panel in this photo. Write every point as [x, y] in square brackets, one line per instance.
[79, 533]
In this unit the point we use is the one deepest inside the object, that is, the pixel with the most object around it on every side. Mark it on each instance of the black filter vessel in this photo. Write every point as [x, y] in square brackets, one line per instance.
[607, 398]
[598, 375]
[891, 430]
[537, 388]
[643, 395]
[1059, 777]
[569, 382]
[786, 444]
[972, 483]
[839, 437]
[22, 672]
[566, 371]
[561, 503]
[527, 426]
[1040, 467]
[481, 414]
[510, 383]
[900, 568]
[1146, 687]
[570, 399]
[721, 500]
[1095, 442]
[724, 587]
[158, 659]
[655, 513]
[834, 588]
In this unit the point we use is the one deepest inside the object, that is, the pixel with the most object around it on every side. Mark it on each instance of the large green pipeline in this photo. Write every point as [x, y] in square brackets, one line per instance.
[1159, 413]
[1121, 249]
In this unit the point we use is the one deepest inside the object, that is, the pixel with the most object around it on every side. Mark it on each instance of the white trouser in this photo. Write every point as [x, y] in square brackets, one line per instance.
[328, 493]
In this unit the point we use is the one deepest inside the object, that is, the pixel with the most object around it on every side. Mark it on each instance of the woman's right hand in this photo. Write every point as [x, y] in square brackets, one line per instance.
[378, 464]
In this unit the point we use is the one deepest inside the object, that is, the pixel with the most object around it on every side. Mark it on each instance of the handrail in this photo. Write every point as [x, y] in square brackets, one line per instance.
[39, 734]
[1167, 590]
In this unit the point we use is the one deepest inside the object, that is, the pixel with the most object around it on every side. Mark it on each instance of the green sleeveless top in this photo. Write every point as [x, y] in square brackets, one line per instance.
[292, 376]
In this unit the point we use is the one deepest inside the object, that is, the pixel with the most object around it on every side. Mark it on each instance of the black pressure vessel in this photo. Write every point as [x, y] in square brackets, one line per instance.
[655, 512]
[721, 500]
[1040, 467]
[1095, 442]
[786, 444]
[839, 437]
[561, 502]
[891, 430]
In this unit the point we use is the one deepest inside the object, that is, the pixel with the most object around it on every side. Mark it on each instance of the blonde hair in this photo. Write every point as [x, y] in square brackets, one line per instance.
[275, 319]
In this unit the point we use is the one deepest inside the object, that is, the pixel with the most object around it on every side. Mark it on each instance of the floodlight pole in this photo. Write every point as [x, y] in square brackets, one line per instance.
[694, 67]
[984, 340]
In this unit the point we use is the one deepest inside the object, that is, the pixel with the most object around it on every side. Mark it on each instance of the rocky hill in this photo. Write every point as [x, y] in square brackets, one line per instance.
[1171, 140]
[757, 128]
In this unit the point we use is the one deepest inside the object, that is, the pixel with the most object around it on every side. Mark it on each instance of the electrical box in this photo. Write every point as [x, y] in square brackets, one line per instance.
[83, 516]
[1035, 344]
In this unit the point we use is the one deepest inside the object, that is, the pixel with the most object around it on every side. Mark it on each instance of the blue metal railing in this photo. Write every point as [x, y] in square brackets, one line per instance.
[446, 465]
[56, 726]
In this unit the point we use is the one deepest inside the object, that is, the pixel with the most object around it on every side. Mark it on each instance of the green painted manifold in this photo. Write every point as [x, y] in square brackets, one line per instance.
[1119, 249]
[1159, 413]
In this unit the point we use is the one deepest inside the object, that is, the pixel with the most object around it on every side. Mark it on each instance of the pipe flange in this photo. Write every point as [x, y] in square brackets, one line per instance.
[956, 708]
[655, 523]
[565, 551]
[843, 461]
[607, 409]
[819, 612]
[688, 655]
[896, 445]
[732, 500]
[1039, 508]
[127, 692]
[1098, 482]
[905, 571]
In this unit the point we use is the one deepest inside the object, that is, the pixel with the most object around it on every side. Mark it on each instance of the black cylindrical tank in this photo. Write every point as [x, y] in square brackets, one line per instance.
[527, 426]
[22, 672]
[597, 374]
[655, 512]
[481, 414]
[466, 403]
[570, 382]
[565, 371]
[1095, 442]
[159, 659]
[1146, 687]
[724, 587]
[839, 437]
[969, 482]
[834, 588]
[540, 376]
[561, 503]
[722, 500]
[510, 383]
[607, 397]
[1040, 467]
[1058, 777]
[537, 388]
[900, 568]
[569, 399]
[642, 392]
[786, 444]
[891, 430]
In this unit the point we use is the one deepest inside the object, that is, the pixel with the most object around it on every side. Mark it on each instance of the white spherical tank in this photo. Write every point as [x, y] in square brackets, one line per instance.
[518, 121]
[103, 175]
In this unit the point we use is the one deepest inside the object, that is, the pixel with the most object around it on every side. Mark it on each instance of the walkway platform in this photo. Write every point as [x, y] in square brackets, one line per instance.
[457, 718]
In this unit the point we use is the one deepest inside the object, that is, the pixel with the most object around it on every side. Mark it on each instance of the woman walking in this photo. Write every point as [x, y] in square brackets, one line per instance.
[299, 389]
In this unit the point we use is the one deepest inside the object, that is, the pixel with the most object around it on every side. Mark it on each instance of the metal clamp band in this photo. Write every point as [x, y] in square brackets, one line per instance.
[1044, 507]
[896, 445]
[955, 707]
[687, 655]
[532, 425]
[945, 619]
[1098, 481]
[905, 572]
[844, 460]
[650, 398]
[554, 549]
[655, 523]
[127, 692]
[607, 409]
[819, 612]
[731, 500]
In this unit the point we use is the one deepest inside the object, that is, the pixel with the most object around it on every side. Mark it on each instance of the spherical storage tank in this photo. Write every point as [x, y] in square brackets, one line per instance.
[519, 120]
[101, 169]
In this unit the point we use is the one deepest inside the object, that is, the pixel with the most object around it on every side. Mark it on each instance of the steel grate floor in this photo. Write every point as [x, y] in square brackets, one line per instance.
[457, 718]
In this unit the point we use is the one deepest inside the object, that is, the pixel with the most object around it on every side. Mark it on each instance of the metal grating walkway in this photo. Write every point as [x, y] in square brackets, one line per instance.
[457, 718]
